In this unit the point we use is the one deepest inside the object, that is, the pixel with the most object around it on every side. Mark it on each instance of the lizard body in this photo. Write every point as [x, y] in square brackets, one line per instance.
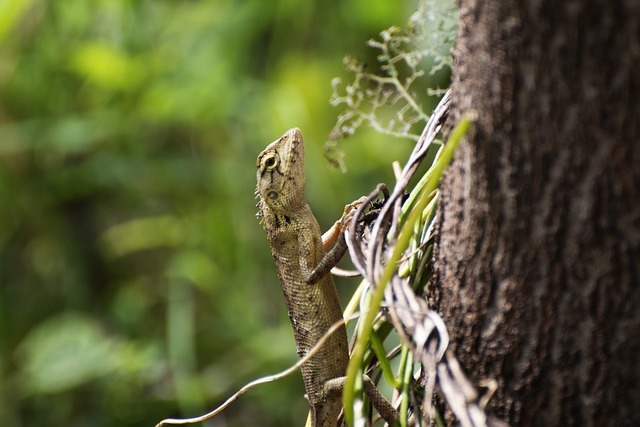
[304, 265]
[297, 247]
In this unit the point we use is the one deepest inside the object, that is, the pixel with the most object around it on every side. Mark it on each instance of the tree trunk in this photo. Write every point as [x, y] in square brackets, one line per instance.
[538, 253]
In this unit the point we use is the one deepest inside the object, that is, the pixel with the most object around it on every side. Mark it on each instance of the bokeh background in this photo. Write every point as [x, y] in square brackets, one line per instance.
[135, 280]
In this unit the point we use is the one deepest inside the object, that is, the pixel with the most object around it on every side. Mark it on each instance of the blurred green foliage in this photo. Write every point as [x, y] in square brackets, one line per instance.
[135, 281]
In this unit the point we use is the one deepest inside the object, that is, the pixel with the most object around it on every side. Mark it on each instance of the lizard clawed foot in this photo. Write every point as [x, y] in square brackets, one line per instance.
[350, 210]
[338, 229]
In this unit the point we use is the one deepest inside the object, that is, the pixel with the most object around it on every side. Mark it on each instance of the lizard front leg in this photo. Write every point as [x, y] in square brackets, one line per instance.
[334, 242]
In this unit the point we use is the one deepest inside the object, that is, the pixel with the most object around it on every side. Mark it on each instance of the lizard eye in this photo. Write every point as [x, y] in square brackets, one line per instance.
[270, 162]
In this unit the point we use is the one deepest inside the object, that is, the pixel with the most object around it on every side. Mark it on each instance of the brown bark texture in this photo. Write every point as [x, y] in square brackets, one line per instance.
[538, 252]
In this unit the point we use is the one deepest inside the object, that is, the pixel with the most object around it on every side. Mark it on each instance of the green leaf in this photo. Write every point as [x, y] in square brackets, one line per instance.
[107, 67]
[64, 352]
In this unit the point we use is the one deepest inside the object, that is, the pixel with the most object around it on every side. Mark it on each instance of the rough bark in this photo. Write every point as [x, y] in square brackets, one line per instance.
[538, 254]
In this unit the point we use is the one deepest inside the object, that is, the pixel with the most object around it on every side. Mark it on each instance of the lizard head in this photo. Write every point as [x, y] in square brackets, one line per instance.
[281, 173]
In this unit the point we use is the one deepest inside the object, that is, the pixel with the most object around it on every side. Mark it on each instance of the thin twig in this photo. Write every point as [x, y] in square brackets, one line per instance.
[262, 380]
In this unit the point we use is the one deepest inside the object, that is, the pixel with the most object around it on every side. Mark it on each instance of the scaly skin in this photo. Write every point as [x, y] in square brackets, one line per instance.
[297, 247]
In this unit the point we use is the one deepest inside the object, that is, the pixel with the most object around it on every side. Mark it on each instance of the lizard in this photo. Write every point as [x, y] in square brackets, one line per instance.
[303, 264]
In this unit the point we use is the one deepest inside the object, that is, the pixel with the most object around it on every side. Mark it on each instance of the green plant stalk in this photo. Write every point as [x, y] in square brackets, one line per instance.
[381, 354]
[415, 261]
[408, 204]
[406, 380]
[439, 420]
[404, 366]
[421, 263]
[406, 233]
[353, 302]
